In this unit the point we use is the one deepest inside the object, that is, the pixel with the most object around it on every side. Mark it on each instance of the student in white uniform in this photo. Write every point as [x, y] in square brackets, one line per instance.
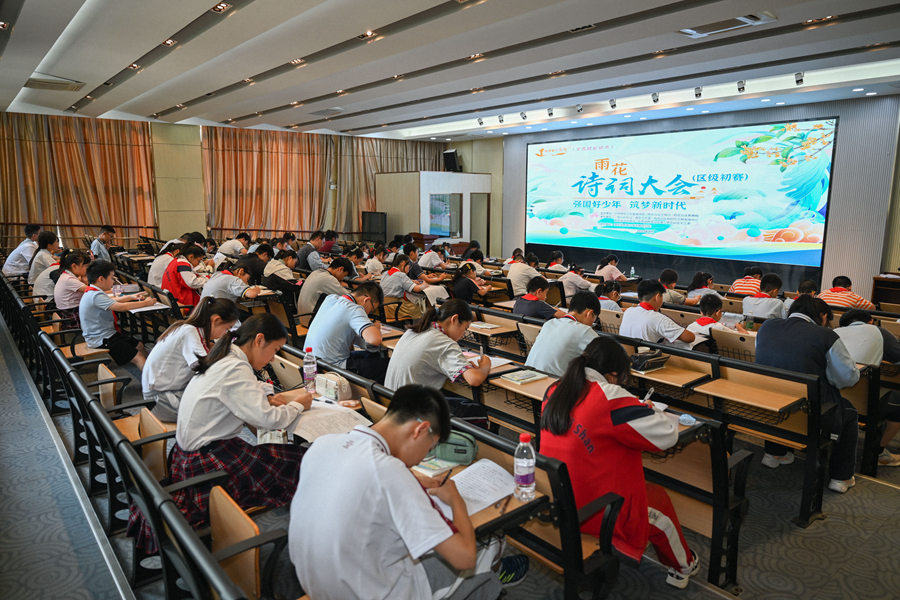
[711, 309]
[168, 369]
[342, 553]
[397, 286]
[18, 261]
[608, 270]
[701, 284]
[556, 262]
[279, 275]
[807, 287]
[476, 259]
[355, 256]
[429, 352]
[231, 284]
[573, 282]
[236, 246]
[70, 286]
[48, 246]
[520, 273]
[645, 322]
[765, 302]
[44, 284]
[609, 293]
[223, 397]
[162, 260]
[561, 340]
[100, 245]
[323, 281]
[434, 259]
[517, 253]
[375, 265]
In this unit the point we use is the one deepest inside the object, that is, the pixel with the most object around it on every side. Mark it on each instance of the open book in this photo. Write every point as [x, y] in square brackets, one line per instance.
[480, 485]
[324, 418]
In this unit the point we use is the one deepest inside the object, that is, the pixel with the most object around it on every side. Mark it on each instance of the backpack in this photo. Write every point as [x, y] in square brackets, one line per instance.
[469, 411]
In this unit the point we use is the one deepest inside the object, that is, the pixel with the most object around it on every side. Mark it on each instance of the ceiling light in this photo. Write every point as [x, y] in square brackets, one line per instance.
[476, 89]
[89, 97]
[779, 103]
[858, 89]
[627, 116]
[229, 120]
[396, 76]
[180, 105]
[871, 93]
[528, 128]
[169, 42]
[156, 115]
[579, 108]
[573, 121]
[504, 133]
[294, 103]
[365, 35]
[766, 100]
[296, 61]
[523, 115]
[4, 25]
[221, 7]
[545, 129]
[549, 112]
[704, 111]
[828, 18]
[339, 92]
[434, 138]
[491, 131]
[556, 73]
[134, 66]
[108, 83]
[473, 56]
[643, 118]
[248, 80]
[590, 123]
[448, 139]
[689, 109]
[664, 51]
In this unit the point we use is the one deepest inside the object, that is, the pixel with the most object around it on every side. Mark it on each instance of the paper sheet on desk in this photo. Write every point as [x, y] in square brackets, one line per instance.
[157, 306]
[495, 360]
[731, 319]
[323, 418]
[482, 484]
[435, 293]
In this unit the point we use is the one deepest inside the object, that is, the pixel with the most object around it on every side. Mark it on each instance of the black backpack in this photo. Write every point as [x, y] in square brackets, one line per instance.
[468, 411]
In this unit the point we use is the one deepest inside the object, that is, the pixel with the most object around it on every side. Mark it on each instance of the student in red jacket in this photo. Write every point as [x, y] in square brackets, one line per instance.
[599, 430]
[180, 278]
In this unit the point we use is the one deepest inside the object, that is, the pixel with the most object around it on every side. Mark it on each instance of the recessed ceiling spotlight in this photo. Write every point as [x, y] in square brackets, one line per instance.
[365, 35]
[528, 128]
[590, 123]
[828, 18]
[155, 115]
[180, 105]
[556, 73]
[476, 89]
[134, 66]
[434, 138]
[448, 139]
[89, 97]
[474, 56]
[339, 92]
[221, 7]
[858, 89]
[248, 80]
[491, 131]
[229, 120]
[169, 42]
[664, 51]
[766, 100]
[779, 103]
[108, 83]
[296, 61]
[294, 103]
[396, 76]
[4, 25]
[871, 93]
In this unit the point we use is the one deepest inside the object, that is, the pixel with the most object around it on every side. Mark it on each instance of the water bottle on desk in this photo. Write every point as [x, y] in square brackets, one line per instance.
[632, 272]
[524, 469]
[750, 322]
[309, 371]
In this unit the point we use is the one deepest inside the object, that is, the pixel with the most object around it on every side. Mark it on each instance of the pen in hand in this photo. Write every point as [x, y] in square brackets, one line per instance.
[446, 477]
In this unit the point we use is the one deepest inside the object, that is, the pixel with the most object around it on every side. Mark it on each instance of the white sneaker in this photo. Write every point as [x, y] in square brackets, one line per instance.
[886, 459]
[679, 577]
[773, 462]
[841, 487]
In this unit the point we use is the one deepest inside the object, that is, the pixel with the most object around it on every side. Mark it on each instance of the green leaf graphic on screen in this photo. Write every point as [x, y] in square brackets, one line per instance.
[726, 153]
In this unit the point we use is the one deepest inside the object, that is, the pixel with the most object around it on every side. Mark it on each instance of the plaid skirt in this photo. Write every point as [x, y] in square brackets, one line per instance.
[69, 313]
[263, 475]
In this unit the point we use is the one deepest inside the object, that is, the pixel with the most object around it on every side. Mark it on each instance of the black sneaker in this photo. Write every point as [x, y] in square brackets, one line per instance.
[513, 570]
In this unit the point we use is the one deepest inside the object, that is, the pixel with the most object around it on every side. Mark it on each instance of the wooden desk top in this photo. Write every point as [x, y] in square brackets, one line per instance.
[671, 375]
[499, 330]
[534, 390]
[750, 395]
[508, 304]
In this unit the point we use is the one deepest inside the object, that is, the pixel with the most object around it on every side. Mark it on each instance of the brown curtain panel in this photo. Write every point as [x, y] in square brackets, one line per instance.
[265, 182]
[77, 174]
[359, 159]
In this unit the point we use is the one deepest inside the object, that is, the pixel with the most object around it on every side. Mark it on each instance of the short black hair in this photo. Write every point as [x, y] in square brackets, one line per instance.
[331, 234]
[418, 402]
[537, 283]
[356, 253]
[710, 304]
[668, 276]
[853, 315]
[341, 263]
[812, 307]
[841, 281]
[476, 256]
[288, 236]
[531, 259]
[242, 265]
[393, 245]
[407, 239]
[370, 289]
[410, 248]
[287, 254]
[399, 259]
[192, 250]
[265, 249]
[584, 300]
[556, 255]
[770, 282]
[317, 235]
[648, 288]
[107, 229]
[807, 286]
[749, 271]
[242, 236]
[99, 268]
[30, 230]
[212, 241]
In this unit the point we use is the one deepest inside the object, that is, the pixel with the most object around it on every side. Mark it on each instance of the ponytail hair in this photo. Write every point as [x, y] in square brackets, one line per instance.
[266, 324]
[609, 286]
[172, 248]
[462, 272]
[603, 262]
[202, 315]
[450, 308]
[604, 355]
[45, 238]
[700, 280]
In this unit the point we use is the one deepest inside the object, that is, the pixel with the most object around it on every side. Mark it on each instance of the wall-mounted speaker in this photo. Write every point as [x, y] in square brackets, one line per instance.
[452, 162]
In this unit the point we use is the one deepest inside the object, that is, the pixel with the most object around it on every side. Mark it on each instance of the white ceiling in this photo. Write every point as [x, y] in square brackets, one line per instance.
[94, 41]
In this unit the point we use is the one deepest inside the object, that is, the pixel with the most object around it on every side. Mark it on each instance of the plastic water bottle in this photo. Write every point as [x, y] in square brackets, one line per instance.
[309, 371]
[750, 322]
[632, 272]
[524, 469]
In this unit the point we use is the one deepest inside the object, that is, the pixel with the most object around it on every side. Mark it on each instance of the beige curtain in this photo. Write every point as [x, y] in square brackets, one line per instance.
[265, 182]
[76, 173]
[359, 159]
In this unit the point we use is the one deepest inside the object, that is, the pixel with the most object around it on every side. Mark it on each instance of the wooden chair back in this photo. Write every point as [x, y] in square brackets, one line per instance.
[289, 374]
[556, 294]
[108, 390]
[721, 287]
[144, 424]
[529, 334]
[373, 409]
[610, 321]
[791, 294]
[229, 525]
[683, 318]
[892, 326]
[735, 345]
[733, 305]
[889, 307]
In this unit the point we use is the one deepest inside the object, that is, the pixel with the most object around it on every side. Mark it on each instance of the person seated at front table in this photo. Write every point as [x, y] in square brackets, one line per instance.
[509, 261]
[607, 269]
[402, 547]
[71, 283]
[429, 353]
[804, 343]
[711, 309]
[765, 302]
[231, 284]
[521, 271]
[234, 247]
[329, 246]
[308, 257]
[19, 259]
[534, 303]
[398, 287]
[98, 324]
[182, 239]
[701, 284]
[609, 293]
[158, 265]
[869, 344]
[589, 419]
[223, 397]
[466, 286]
[669, 277]
[279, 275]
[807, 287]
[168, 371]
[257, 260]
[573, 281]
[645, 322]
[48, 246]
[393, 248]
[180, 278]
[342, 322]
[415, 269]
[434, 259]
[100, 245]
[561, 340]
[841, 294]
[474, 246]
[475, 259]
[749, 283]
[375, 265]
[323, 281]
[556, 262]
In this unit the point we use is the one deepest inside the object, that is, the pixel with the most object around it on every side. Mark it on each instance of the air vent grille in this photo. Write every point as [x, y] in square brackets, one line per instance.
[55, 85]
[582, 28]
[328, 112]
[702, 31]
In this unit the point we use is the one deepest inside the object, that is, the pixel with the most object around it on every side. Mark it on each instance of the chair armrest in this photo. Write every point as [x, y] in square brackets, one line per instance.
[135, 404]
[43, 312]
[205, 479]
[250, 543]
[93, 361]
[614, 503]
[153, 438]
[100, 382]
[52, 321]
